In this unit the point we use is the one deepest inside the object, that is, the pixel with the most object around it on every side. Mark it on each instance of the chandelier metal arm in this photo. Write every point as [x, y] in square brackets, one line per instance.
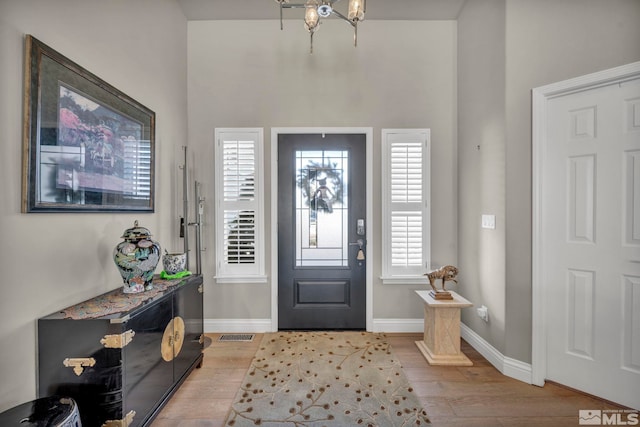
[292, 5]
[341, 16]
[354, 24]
[284, 5]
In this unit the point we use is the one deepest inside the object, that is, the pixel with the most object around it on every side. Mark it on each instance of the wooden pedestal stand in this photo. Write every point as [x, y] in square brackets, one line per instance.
[441, 343]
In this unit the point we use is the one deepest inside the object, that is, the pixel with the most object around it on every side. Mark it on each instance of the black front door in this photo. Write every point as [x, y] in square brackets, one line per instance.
[321, 231]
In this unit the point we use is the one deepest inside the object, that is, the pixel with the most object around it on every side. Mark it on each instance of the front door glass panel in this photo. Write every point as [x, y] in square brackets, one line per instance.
[322, 208]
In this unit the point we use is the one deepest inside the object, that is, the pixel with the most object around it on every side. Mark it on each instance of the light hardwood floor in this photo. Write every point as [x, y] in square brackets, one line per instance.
[475, 396]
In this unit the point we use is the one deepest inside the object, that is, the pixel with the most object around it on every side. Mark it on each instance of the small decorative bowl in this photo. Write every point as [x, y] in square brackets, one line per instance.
[174, 263]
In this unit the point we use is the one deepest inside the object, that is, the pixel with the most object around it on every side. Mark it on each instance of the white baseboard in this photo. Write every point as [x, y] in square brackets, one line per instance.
[398, 325]
[518, 370]
[255, 326]
[507, 366]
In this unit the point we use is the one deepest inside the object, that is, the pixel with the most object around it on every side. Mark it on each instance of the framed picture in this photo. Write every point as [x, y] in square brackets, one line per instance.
[87, 146]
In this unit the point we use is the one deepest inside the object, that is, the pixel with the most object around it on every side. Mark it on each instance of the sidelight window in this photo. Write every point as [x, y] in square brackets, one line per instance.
[405, 195]
[239, 206]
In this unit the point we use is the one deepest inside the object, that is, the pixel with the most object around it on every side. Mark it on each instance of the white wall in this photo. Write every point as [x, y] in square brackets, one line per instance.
[251, 74]
[524, 44]
[49, 261]
[548, 41]
[481, 163]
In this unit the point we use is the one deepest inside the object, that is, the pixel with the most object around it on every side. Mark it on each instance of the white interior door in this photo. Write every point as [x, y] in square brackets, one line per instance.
[590, 255]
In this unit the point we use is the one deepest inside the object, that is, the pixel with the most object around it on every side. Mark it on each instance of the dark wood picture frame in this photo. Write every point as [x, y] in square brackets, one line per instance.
[87, 147]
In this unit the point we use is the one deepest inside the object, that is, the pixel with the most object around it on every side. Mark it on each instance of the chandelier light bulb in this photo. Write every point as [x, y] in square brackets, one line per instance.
[356, 10]
[311, 18]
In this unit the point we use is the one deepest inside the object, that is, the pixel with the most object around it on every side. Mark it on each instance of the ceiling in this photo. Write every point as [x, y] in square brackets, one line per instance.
[205, 10]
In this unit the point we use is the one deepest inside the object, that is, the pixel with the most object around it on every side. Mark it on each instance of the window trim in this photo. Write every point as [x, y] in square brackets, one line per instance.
[246, 273]
[389, 276]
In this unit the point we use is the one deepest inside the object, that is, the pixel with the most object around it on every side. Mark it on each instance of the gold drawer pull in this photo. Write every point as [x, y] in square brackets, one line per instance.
[79, 363]
[118, 340]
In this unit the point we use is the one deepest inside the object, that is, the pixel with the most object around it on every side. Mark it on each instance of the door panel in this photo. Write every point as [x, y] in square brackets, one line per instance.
[188, 306]
[321, 180]
[147, 375]
[590, 208]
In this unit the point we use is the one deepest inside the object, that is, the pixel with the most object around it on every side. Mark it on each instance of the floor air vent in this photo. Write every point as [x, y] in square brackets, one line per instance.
[236, 337]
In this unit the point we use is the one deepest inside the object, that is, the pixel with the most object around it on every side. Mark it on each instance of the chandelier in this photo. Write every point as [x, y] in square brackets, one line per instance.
[316, 9]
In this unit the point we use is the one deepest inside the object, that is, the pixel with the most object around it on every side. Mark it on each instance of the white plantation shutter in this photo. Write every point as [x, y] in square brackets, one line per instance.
[239, 237]
[406, 202]
[406, 239]
[406, 169]
[239, 168]
[239, 210]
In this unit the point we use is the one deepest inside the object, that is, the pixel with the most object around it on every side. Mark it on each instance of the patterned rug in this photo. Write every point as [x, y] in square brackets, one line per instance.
[332, 379]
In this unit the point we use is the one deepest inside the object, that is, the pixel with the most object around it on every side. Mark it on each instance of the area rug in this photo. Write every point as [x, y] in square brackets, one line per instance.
[332, 379]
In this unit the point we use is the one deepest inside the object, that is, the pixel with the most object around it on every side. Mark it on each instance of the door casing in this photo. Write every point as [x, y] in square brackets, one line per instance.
[540, 96]
[368, 132]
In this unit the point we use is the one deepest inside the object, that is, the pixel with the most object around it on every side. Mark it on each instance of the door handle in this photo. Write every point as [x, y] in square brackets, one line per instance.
[360, 254]
[358, 242]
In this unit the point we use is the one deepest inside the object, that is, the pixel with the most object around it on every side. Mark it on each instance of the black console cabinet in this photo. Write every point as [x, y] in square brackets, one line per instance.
[122, 356]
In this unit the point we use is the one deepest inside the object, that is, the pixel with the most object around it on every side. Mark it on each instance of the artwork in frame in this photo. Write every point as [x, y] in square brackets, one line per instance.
[87, 147]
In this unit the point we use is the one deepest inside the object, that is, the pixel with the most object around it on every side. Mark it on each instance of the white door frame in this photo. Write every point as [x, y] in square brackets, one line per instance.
[540, 97]
[274, 211]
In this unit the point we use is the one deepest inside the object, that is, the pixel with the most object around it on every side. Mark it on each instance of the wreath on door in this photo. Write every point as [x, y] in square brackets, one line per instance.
[321, 186]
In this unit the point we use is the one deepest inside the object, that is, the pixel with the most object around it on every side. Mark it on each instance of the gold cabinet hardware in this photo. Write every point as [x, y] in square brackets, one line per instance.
[117, 340]
[125, 422]
[172, 339]
[79, 363]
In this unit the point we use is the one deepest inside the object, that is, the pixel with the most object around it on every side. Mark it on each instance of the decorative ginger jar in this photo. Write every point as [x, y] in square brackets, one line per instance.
[136, 258]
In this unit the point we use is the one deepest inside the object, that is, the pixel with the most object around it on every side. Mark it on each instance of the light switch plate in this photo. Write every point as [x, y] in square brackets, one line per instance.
[489, 221]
